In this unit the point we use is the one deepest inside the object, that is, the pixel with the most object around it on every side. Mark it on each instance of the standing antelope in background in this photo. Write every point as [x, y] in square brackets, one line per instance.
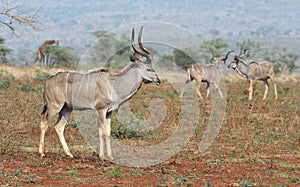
[206, 73]
[41, 58]
[96, 90]
[254, 71]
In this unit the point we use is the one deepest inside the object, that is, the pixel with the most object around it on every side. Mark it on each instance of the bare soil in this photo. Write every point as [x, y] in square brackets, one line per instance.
[258, 144]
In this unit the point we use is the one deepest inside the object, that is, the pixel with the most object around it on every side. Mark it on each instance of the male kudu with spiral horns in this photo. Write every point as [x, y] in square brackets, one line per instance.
[254, 71]
[97, 90]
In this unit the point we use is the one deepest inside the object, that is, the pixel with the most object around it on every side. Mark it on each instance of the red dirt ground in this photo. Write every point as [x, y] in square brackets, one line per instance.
[258, 145]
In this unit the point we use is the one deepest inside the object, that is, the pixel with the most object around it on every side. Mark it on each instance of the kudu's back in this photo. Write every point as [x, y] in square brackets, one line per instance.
[79, 91]
[262, 70]
[205, 72]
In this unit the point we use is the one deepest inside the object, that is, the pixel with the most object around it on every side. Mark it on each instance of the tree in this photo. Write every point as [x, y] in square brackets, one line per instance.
[61, 57]
[201, 54]
[283, 60]
[214, 32]
[218, 46]
[255, 51]
[3, 51]
[183, 58]
[9, 16]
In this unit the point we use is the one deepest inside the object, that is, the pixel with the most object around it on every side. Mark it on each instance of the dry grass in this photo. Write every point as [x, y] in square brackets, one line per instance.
[258, 143]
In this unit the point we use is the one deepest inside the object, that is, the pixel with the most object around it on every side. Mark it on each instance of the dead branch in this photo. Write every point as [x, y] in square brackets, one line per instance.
[11, 15]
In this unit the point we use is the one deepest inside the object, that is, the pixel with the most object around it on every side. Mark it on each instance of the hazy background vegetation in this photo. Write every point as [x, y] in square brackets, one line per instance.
[269, 28]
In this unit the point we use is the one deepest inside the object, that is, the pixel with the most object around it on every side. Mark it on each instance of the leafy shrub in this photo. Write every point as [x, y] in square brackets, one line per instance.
[123, 132]
[27, 87]
[41, 77]
[73, 123]
[5, 84]
[116, 172]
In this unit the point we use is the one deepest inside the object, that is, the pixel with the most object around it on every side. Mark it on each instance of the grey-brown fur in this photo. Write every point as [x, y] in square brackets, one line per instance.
[208, 73]
[254, 71]
[97, 90]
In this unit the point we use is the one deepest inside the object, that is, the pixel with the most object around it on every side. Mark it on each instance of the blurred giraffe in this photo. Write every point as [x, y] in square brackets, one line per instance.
[41, 52]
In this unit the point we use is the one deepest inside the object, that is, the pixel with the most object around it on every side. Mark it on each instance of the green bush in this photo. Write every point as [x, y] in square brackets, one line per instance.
[41, 77]
[5, 84]
[116, 172]
[27, 87]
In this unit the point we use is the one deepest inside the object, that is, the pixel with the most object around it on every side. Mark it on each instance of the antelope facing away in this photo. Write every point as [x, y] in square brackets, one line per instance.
[95, 90]
[208, 73]
[254, 71]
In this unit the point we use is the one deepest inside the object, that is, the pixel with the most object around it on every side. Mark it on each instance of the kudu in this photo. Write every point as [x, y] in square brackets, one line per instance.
[254, 71]
[97, 90]
[208, 73]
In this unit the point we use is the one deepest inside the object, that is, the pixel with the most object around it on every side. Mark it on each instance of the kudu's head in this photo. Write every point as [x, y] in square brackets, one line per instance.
[56, 42]
[237, 59]
[142, 59]
[221, 61]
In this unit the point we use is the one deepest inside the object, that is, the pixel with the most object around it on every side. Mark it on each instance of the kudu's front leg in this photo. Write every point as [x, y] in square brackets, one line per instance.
[104, 133]
[101, 124]
[266, 90]
[59, 128]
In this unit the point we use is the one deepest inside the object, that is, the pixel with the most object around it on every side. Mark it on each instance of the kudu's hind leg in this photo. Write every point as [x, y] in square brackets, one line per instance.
[60, 127]
[197, 88]
[43, 126]
[45, 122]
[207, 89]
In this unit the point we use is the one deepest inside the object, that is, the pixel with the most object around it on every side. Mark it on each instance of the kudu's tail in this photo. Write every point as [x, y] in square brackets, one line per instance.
[45, 104]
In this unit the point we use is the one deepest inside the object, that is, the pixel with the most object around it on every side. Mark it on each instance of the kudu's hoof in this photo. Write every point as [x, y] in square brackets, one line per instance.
[42, 155]
[70, 155]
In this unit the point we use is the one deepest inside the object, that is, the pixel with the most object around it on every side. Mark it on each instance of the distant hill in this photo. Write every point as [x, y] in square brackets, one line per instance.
[72, 21]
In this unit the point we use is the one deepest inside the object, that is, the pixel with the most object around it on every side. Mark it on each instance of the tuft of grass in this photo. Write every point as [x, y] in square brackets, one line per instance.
[41, 76]
[73, 172]
[73, 123]
[182, 181]
[48, 175]
[6, 82]
[27, 87]
[115, 172]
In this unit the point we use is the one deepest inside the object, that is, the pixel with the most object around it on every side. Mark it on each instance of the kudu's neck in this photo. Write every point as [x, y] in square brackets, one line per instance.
[126, 83]
[242, 69]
